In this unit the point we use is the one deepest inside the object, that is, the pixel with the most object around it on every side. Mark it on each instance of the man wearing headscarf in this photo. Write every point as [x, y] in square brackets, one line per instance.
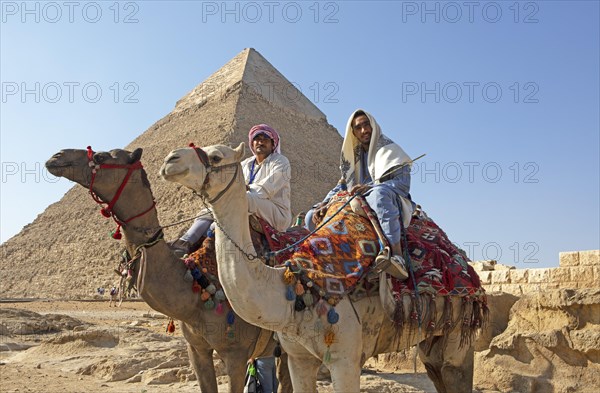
[375, 166]
[267, 173]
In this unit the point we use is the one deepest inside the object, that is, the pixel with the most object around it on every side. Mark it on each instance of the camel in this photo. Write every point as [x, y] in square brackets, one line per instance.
[161, 277]
[257, 293]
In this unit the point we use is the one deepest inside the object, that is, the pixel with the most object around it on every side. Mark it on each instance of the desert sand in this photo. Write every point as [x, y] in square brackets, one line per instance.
[86, 346]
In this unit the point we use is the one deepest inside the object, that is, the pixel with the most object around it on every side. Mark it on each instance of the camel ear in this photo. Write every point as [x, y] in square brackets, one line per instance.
[239, 151]
[135, 155]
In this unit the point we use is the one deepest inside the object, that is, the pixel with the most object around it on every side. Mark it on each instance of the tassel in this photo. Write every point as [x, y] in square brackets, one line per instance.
[288, 277]
[117, 234]
[209, 304]
[211, 289]
[171, 326]
[187, 277]
[327, 357]
[307, 298]
[105, 212]
[299, 289]
[299, 305]
[230, 333]
[321, 308]
[195, 287]
[329, 337]
[289, 293]
[332, 316]
[277, 351]
[219, 310]
[230, 317]
[205, 296]
[220, 295]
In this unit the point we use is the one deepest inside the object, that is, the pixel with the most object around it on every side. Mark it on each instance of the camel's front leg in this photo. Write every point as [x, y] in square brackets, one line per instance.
[345, 374]
[302, 366]
[201, 357]
[202, 362]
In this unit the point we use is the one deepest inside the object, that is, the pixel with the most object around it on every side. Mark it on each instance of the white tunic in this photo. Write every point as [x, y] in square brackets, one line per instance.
[269, 189]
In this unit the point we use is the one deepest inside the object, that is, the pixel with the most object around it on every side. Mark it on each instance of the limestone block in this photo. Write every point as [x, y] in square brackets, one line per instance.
[588, 258]
[500, 266]
[485, 277]
[570, 258]
[518, 276]
[501, 277]
[513, 289]
[582, 275]
[560, 275]
[494, 288]
[539, 276]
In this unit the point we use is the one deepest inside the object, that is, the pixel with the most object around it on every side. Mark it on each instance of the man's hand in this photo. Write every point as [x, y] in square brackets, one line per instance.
[360, 189]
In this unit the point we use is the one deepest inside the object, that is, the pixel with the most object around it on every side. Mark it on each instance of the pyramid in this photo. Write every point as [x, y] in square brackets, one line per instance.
[66, 252]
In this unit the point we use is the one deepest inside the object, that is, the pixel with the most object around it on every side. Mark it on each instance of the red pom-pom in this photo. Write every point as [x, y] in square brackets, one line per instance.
[117, 234]
[195, 287]
[105, 212]
[171, 326]
[192, 145]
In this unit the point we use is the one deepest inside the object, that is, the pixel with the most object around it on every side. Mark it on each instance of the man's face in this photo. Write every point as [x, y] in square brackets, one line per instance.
[361, 128]
[262, 145]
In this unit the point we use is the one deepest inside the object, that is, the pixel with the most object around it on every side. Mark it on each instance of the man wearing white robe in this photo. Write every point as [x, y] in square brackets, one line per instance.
[376, 167]
[267, 173]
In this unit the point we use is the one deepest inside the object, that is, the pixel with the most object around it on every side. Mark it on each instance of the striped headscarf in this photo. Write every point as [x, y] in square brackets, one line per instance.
[267, 130]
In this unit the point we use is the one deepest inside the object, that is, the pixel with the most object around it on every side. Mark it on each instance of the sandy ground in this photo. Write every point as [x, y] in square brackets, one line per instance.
[92, 357]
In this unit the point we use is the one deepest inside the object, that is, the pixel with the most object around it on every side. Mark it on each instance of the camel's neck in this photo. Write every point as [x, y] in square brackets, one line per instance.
[256, 291]
[160, 282]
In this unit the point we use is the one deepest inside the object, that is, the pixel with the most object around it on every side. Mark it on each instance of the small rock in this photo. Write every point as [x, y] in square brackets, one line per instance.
[39, 366]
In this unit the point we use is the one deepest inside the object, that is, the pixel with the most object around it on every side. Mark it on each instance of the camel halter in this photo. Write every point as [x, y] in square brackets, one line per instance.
[203, 157]
[108, 210]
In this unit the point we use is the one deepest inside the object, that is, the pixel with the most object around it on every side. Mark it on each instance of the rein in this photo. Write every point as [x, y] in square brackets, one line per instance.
[108, 210]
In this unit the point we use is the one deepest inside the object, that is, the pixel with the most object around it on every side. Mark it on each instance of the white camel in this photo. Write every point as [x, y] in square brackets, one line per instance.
[257, 293]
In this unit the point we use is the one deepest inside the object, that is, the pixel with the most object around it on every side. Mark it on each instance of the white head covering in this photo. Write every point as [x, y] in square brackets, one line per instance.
[383, 153]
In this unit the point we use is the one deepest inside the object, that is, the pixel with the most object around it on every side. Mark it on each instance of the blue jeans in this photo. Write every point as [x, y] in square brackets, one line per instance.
[267, 374]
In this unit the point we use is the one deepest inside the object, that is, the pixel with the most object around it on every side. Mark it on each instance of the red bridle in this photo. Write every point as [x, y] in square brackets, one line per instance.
[108, 210]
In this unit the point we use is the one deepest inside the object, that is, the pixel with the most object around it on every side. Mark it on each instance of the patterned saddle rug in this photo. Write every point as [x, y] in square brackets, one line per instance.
[332, 262]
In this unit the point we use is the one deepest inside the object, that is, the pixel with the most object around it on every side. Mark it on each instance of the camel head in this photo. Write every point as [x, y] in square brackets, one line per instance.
[78, 165]
[208, 171]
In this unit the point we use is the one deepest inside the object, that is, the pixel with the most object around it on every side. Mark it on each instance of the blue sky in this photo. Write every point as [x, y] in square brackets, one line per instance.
[503, 97]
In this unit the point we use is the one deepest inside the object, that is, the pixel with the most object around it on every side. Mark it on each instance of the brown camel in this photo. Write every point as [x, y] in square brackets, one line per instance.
[363, 329]
[161, 277]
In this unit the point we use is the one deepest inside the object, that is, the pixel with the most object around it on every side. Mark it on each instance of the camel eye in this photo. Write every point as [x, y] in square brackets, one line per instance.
[216, 159]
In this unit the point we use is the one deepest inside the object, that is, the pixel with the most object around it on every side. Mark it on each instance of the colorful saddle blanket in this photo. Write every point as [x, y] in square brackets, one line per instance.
[332, 261]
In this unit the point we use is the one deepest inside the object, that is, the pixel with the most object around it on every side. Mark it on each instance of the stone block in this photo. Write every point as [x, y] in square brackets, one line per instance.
[537, 276]
[513, 289]
[485, 277]
[589, 258]
[518, 276]
[596, 270]
[582, 275]
[560, 275]
[501, 277]
[532, 288]
[494, 288]
[570, 258]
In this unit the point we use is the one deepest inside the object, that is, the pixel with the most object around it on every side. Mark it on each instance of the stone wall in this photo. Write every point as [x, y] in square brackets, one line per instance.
[577, 270]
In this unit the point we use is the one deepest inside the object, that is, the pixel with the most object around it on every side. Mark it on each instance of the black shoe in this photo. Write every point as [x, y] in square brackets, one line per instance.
[180, 248]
